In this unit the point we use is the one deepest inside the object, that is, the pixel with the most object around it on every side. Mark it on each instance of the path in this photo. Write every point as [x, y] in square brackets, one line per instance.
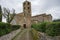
[24, 35]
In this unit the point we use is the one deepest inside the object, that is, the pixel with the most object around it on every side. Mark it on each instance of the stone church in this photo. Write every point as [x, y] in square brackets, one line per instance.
[25, 18]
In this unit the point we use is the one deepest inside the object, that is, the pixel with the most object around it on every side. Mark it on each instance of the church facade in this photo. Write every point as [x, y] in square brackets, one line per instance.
[25, 18]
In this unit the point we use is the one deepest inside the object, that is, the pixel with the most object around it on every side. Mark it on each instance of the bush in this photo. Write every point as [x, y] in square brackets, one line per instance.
[14, 27]
[35, 26]
[6, 28]
[53, 29]
[40, 26]
[50, 28]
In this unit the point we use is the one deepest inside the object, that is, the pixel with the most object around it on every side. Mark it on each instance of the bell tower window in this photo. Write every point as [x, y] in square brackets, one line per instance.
[28, 8]
[24, 3]
[24, 7]
[28, 3]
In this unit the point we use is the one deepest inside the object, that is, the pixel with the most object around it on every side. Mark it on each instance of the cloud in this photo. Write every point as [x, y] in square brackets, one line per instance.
[38, 6]
[55, 11]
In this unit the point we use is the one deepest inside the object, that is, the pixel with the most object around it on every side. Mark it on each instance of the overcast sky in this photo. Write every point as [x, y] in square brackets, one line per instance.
[38, 6]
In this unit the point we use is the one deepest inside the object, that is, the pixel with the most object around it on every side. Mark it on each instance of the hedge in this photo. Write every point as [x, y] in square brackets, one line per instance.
[15, 27]
[50, 28]
[40, 26]
[53, 29]
[35, 26]
[6, 28]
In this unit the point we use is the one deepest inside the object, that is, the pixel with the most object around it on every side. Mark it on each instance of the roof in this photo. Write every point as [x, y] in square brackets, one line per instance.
[20, 14]
[42, 15]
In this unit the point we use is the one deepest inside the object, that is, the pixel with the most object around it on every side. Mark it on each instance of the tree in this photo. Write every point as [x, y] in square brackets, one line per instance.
[7, 14]
[56, 20]
[0, 14]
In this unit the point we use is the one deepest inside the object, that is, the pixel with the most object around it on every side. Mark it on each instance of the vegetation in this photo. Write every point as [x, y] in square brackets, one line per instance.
[50, 28]
[57, 20]
[6, 28]
[34, 34]
[53, 29]
[0, 14]
[14, 27]
[7, 14]
[40, 26]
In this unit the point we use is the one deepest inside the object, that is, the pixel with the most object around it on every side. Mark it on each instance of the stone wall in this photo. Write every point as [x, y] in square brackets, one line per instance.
[43, 36]
[41, 18]
[10, 35]
[53, 38]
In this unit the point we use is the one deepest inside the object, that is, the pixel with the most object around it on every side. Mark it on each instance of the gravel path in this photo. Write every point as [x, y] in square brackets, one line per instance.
[24, 35]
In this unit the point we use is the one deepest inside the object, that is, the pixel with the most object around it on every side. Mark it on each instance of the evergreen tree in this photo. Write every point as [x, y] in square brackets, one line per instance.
[0, 14]
[56, 20]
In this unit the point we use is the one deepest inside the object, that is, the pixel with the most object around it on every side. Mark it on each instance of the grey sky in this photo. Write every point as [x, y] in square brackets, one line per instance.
[38, 6]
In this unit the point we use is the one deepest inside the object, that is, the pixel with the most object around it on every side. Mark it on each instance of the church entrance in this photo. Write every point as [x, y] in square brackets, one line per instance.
[24, 25]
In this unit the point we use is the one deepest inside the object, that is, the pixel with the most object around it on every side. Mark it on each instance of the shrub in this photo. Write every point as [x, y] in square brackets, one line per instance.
[35, 26]
[53, 29]
[6, 28]
[40, 26]
[50, 28]
[14, 27]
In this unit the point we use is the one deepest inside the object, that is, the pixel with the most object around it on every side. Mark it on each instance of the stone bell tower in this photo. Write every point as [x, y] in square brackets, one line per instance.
[27, 13]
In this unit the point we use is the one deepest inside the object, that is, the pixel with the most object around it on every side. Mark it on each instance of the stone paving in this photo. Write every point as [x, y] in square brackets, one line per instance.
[24, 35]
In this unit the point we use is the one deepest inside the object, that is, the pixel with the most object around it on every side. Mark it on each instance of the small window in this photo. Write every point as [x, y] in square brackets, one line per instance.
[28, 8]
[24, 7]
[24, 3]
[28, 3]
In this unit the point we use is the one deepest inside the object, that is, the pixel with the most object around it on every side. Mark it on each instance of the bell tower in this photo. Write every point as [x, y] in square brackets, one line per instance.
[27, 8]
[27, 13]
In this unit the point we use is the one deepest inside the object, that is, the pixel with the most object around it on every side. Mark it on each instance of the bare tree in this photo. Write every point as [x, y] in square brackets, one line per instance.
[7, 14]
